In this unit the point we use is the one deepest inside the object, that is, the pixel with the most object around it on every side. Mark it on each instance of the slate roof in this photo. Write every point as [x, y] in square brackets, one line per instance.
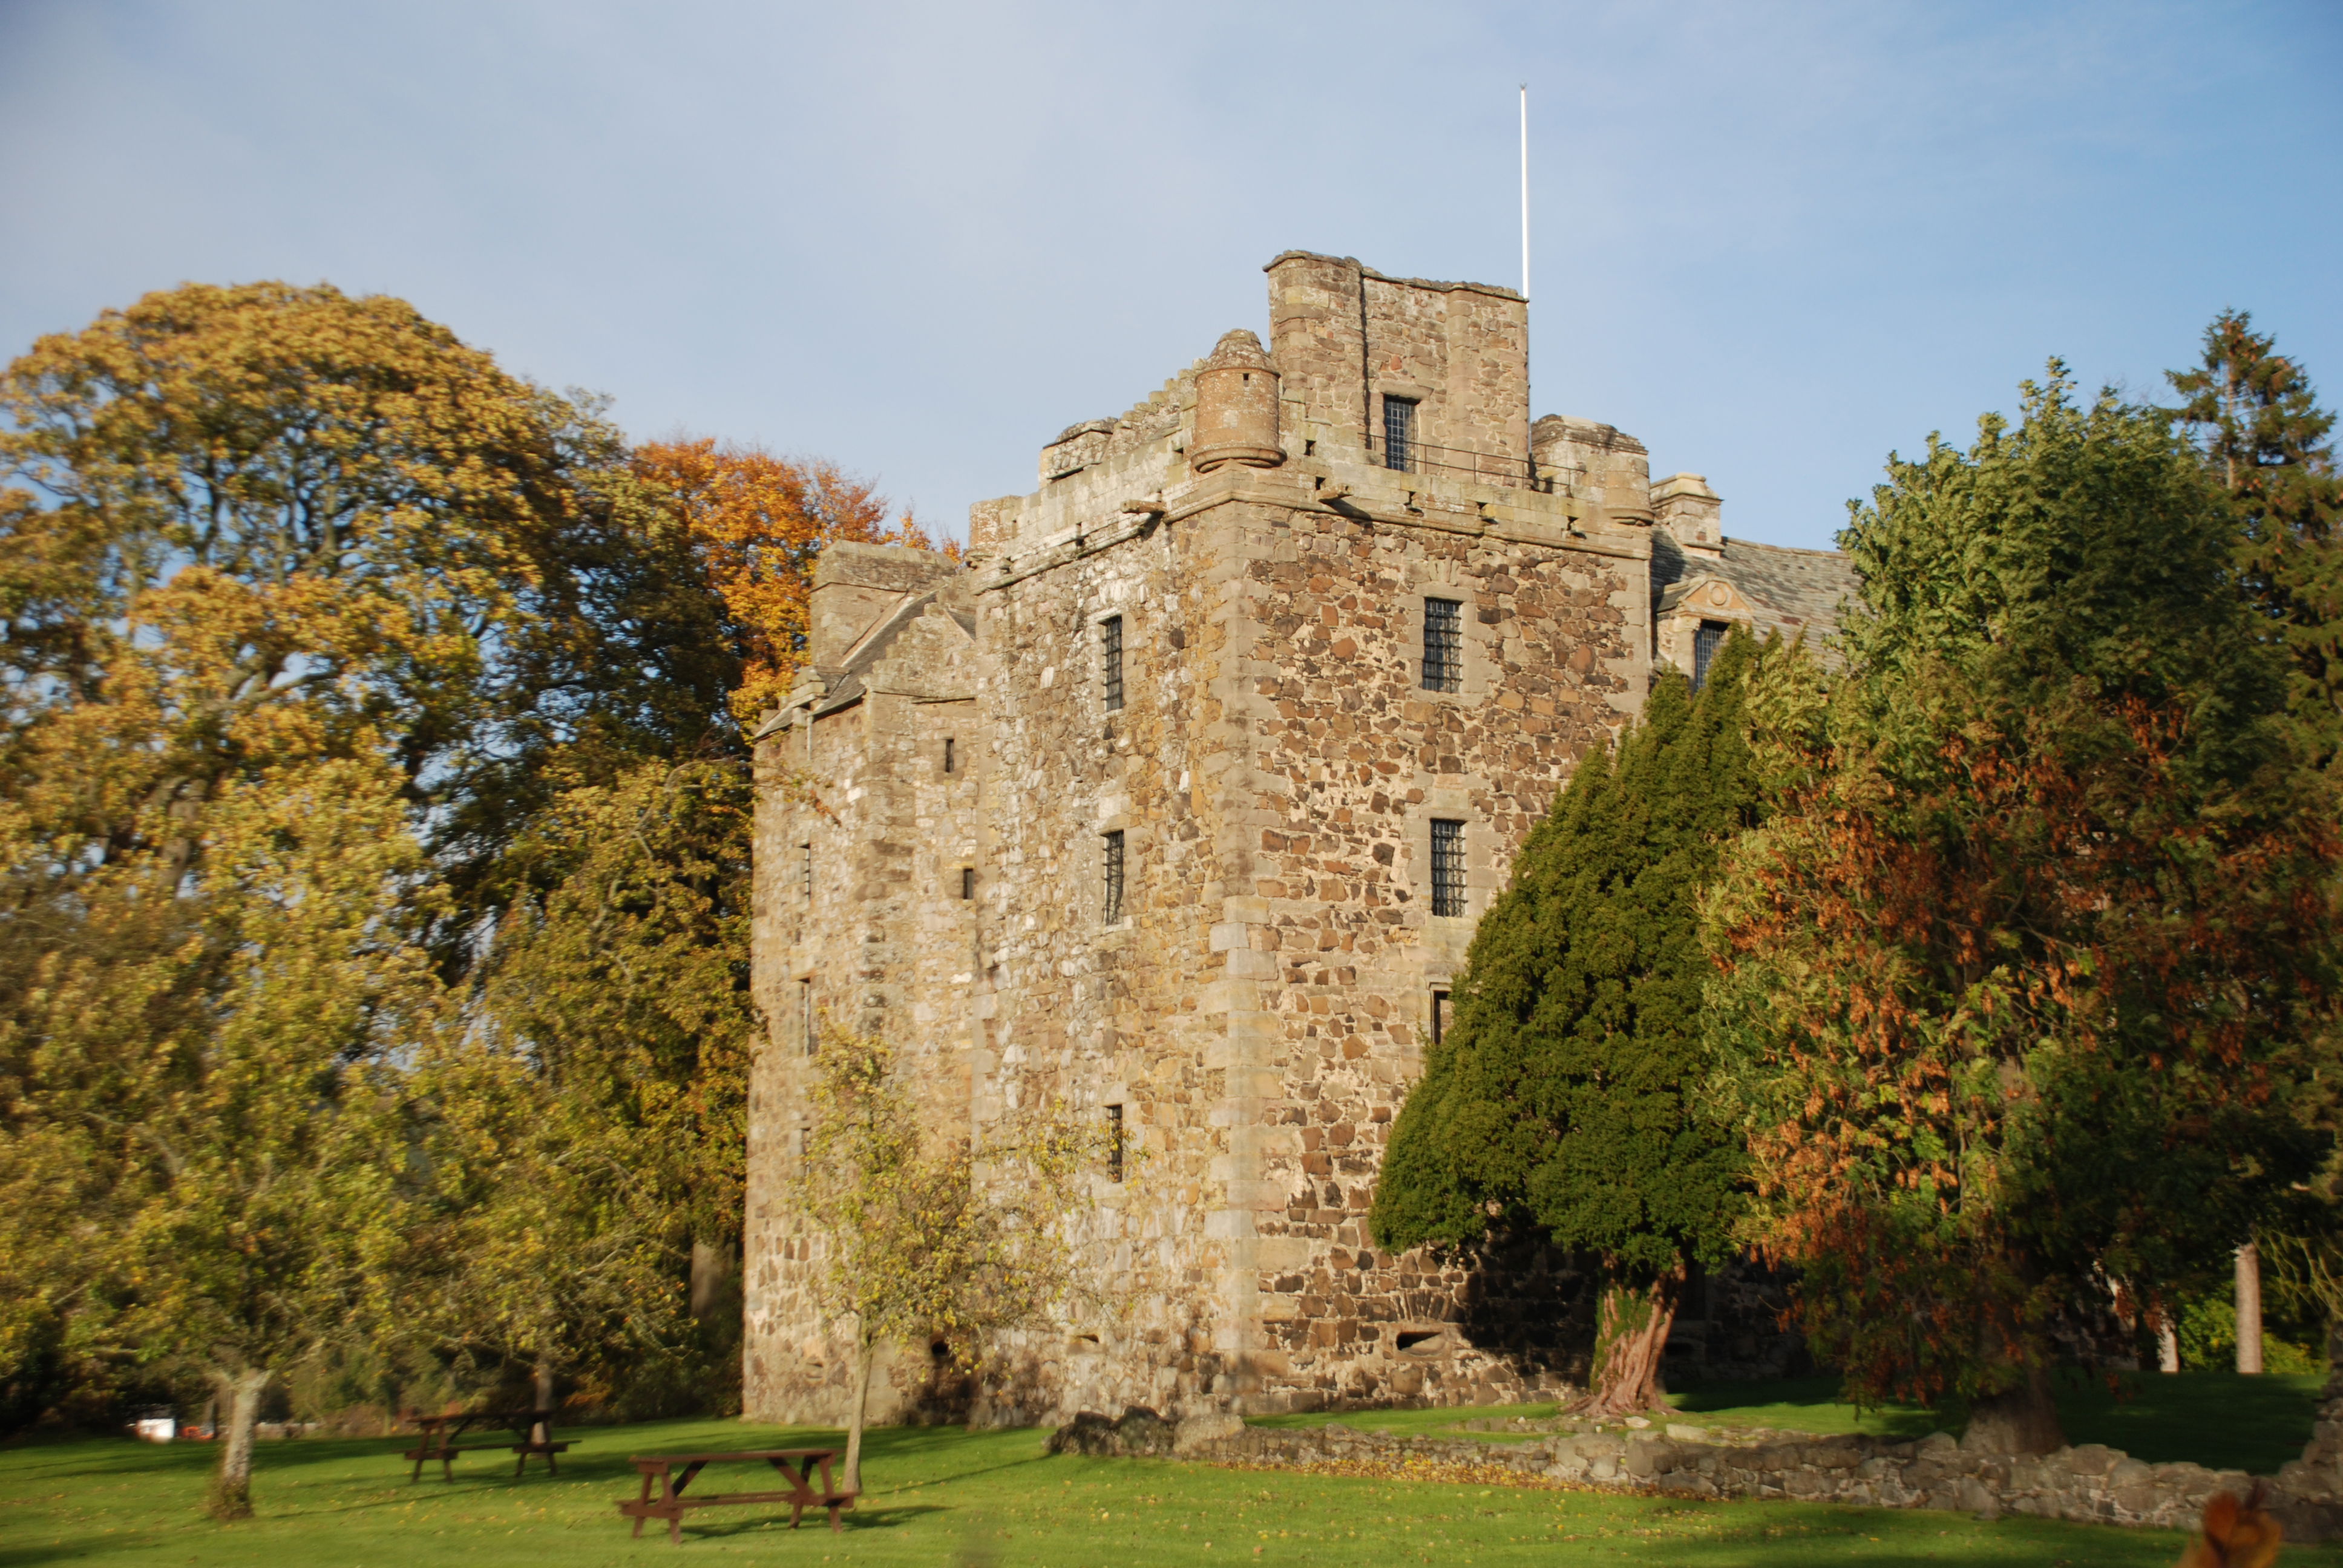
[1803, 588]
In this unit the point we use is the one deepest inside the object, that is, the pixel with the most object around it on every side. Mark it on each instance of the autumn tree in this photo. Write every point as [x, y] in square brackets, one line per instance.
[759, 522]
[202, 1157]
[1566, 1098]
[592, 1212]
[924, 1236]
[2027, 966]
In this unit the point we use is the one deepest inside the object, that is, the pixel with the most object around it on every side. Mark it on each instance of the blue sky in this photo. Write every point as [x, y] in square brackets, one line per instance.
[1773, 241]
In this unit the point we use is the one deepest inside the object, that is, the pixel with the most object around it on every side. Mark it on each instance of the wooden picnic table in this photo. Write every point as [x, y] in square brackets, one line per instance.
[796, 1465]
[440, 1433]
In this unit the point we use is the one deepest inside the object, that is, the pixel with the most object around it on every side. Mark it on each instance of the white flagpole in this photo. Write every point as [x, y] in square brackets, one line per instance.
[1525, 190]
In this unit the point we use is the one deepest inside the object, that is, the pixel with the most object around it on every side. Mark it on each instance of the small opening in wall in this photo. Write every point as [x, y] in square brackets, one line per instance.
[1414, 1338]
[1087, 1339]
[940, 1350]
[948, 749]
[1439, 1016]
[968, 881]
[1447, 866]
[1114, 1143]
[1309, 448]
[1705, 644]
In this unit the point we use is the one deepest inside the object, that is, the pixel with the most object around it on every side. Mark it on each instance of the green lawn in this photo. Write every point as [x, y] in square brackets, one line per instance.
[941, 1496]
[2218, 1420]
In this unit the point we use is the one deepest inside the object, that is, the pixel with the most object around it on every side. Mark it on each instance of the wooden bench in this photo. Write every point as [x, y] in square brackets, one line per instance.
[440, 1433]
[796, 1465]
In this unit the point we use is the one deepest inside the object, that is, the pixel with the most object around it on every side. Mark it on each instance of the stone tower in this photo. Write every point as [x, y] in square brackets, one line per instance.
[1179, 804]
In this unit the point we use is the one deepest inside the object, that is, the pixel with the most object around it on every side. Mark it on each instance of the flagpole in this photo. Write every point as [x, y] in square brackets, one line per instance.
[1525, 190]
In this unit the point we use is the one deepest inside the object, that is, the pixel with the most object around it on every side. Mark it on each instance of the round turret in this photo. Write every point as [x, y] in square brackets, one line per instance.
[1236, 407]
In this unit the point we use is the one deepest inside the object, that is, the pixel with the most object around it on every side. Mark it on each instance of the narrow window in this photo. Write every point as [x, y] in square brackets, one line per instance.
[1111, 660]
[1439, 1016]
[968, 881]
[1443, 645]
[947, 753]
[805, 1014]
[1398, 433]
[1705, 644]
[805, 869]
[1113, 901]
[804, 1142]
[1114, 1143]
[1447, 867]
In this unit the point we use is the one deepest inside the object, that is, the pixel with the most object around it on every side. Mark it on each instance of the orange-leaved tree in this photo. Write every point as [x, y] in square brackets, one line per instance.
[759, 522]
[2028, 978]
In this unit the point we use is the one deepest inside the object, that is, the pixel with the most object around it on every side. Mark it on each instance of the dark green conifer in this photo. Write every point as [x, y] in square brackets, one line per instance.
[1565, 1098]
[2264, 440]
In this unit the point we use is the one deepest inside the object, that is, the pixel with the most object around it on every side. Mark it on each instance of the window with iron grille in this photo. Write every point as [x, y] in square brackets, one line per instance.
[1398, 433]
[1447, 867]
[1114, 1143]
[1705, 644]
[968, 881]
[805, 869]
[1113, 901]
[1443, 645]
[1111, 660]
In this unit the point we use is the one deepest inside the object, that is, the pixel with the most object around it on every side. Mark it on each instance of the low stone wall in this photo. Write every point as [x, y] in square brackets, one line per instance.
[2089, 1484]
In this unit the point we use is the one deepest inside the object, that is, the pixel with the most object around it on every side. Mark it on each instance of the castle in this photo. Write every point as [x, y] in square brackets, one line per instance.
[1178, 801]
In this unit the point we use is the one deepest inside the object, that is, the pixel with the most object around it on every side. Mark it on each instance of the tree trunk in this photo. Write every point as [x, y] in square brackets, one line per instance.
[1631, 1335]
[543, 1404]
[2250, 1308]
[866, 1360]
[2023, 1419]
[711, 1270]
[231, 1488]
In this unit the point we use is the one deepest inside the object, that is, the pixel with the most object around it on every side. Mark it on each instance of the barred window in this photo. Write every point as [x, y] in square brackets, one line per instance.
[1114, 1143]
[1447, 867]
[805, 869]
[1113, 869]
[968, 881]
[1111, 660]
[1398, 433]
[1443, 645]
[1705, 644]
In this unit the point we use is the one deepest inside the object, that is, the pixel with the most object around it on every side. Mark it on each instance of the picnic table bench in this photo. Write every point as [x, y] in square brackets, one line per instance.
[796, 1465]
[440, 1434]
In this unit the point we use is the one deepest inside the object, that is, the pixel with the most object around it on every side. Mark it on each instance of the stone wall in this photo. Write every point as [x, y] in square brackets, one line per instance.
[2088, 1483]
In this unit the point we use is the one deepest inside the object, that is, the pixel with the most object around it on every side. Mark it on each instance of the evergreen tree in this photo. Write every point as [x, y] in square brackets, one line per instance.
[1565, 1098]
[2264, 440]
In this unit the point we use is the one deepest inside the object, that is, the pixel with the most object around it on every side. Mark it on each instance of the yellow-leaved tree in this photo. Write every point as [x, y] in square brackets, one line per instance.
[924, 1236]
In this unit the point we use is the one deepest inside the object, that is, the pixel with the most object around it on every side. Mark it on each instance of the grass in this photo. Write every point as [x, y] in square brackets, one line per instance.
[2219, 1419]
[939, 1496]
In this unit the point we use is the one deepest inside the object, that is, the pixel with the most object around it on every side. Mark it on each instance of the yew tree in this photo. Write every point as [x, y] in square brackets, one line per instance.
[2029, 967]
[1566, 1098]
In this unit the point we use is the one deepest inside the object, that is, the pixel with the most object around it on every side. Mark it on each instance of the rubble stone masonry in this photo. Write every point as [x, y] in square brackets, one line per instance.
[1261, 1000]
